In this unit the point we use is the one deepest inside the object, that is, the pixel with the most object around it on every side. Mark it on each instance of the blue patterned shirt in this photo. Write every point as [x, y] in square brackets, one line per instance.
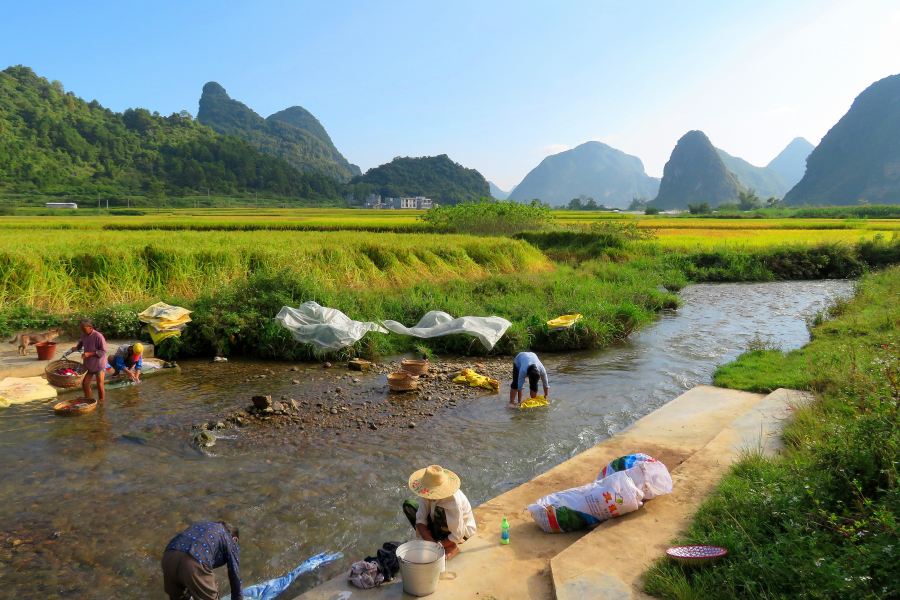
[211, 545]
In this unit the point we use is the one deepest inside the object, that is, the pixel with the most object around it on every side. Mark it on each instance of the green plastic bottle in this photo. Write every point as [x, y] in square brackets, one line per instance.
[504, 531]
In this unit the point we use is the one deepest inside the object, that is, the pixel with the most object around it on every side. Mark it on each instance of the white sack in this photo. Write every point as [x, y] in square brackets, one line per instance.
[647, 473]
[437, 323]
[327, 328]
[581, 507]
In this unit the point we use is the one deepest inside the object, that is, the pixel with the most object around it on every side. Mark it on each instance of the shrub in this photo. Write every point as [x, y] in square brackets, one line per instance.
[651, 210]
[488, 217]
[700, 209]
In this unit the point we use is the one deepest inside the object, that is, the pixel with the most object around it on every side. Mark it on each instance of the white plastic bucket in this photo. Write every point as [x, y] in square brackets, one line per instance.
[421, 564]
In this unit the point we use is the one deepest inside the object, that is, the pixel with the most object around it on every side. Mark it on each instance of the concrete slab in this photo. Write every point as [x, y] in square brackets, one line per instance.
[608, 563]
[485, 569]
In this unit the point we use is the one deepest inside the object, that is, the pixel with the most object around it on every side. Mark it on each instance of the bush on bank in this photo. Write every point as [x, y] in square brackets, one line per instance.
[821, 519]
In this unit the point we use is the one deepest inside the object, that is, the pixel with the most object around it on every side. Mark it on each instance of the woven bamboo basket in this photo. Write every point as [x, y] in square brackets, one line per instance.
[416, 367]
[65, 381]
[403, 381]
[62, 408]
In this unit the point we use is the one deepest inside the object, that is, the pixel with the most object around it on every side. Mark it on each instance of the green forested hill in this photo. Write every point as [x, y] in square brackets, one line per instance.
[859, 158]
[303, 119]
[52, 141]
[436, 177]
[695, 173]
[300, 147]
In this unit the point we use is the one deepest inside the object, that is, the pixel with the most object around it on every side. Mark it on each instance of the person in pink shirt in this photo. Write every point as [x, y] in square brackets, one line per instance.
[93, 344]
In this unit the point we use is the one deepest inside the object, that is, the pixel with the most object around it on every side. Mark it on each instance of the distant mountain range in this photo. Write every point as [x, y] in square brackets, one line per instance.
[436, 177]
[695, 174]
[767, 182]
[499, 194]
[859, 158]
[791, 162]
[292, 134]
[593, 169]
[53, 141]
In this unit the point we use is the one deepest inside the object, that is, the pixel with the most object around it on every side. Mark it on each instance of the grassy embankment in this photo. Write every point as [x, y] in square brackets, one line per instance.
[821, 519]
[236, 280]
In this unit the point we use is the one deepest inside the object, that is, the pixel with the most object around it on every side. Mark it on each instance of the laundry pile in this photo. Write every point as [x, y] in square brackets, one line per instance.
[534, 402]
[165, 321]
[563, 322]
[622, 487]
[66, 372]
[475, 380]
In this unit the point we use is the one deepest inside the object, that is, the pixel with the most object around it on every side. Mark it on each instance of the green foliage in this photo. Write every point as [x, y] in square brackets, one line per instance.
[857, 158]
[436, 177]
[278, 136]
[651, 210]
[848, 212]
[700, 209]
[638, 204]
[748, 200]
[56, 143]
[820, 519]
[488, 217]
[19, 319]
[585, 203]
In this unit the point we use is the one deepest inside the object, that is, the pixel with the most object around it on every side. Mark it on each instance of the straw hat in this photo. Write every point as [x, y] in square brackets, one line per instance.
[434, 483]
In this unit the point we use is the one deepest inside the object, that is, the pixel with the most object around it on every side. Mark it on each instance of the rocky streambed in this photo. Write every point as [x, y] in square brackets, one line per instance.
[331, 400]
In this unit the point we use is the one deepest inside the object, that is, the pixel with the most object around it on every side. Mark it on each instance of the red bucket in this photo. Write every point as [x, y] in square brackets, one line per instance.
[46, 350]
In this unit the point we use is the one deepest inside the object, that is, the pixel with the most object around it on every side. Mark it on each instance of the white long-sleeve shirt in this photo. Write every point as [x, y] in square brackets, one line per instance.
[525, 360]
[460, 518]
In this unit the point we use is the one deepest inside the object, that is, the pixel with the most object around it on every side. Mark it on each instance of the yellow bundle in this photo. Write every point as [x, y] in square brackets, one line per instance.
[564, 322]
[534, 402]
[475, 380]
[165, 321]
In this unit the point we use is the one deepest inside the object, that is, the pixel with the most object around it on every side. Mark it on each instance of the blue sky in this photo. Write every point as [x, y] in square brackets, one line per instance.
[496, 85]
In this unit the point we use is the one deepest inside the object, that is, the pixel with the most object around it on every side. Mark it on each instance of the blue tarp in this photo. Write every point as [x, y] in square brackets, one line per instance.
[273, 587]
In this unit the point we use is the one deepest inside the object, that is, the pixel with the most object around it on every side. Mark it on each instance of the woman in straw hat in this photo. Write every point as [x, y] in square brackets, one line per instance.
[444, 514]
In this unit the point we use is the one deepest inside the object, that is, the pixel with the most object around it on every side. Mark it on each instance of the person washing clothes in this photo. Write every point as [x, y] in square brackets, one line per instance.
[191, 556]
[527, 365]
[444, 514]
[93, 346]
[129, 358]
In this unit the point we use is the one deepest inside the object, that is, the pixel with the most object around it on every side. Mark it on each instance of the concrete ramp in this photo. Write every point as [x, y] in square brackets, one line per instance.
[697, 436]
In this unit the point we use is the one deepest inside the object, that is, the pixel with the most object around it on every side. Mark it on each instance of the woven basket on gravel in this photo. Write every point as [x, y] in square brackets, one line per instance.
[416, 367]
[403, 381]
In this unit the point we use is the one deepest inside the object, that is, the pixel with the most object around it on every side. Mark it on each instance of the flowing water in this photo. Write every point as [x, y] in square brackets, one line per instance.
[93, 510]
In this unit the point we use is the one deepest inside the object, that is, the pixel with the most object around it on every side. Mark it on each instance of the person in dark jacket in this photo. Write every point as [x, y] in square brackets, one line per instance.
[191, 556]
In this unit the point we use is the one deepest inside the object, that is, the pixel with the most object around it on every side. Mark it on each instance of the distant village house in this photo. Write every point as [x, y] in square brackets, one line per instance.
[374, 201]
[61, 205]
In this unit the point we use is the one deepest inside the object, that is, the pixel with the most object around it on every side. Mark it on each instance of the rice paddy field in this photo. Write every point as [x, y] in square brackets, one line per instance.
[64, 261]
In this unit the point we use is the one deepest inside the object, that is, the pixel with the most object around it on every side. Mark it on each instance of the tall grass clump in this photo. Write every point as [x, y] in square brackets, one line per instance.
[489, 217]
[820, 520]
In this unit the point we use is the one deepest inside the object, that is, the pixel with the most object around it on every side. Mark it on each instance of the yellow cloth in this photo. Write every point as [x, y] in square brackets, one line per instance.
[475, 380]
[534, 402]
[165, 321]
[564, 321]
[157, 336]
[18, 390]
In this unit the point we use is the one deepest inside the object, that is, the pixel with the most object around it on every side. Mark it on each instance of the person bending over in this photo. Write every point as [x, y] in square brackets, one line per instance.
[527, 365]
[129, 358]
[443, 514]
[191, 556]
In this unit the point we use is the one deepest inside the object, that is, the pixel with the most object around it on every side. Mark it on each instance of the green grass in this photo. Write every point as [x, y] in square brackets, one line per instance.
[821, 519]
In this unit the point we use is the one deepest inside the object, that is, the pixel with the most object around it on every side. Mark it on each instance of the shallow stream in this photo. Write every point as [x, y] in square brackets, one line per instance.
[92, 510]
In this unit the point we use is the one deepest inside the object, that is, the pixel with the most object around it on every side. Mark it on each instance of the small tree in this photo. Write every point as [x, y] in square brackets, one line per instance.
[590, 204]
[575, 204]
[156, 194]
[651, 210]
[748, 200]
[637, 204]
[700, 209]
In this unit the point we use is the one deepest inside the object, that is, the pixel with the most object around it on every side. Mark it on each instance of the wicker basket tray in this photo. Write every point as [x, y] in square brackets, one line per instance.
[62, 408]
[403, 381]
[65, 381]
[416, 367]
[696, 555]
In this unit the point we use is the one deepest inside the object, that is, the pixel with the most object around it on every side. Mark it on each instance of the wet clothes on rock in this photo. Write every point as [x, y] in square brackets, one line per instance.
[93, 342]
[386, 560]
[211, 546]
[124, 359]
[523, 361]
[448, 518]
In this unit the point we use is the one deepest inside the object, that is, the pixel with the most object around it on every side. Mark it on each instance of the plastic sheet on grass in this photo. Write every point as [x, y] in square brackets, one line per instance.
[437, 323]
[270, 589]
[326, 328]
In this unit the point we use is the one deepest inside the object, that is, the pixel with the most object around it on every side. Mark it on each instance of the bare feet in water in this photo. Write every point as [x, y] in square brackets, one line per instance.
[511, 405]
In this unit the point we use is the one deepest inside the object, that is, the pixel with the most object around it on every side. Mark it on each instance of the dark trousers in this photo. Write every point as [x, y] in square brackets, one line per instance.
[437, 527]
[532, 380]
[184, 577]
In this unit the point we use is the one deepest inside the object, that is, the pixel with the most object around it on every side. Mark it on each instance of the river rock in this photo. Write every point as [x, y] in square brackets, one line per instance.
[294, 404]
[277, 407]
[326, 365]
[412, 425]
[295, 382]
[262, 402]
[358, 364]
[203, 439]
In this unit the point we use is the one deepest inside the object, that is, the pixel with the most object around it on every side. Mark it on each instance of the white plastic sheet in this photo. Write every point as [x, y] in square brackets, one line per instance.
[326, 328]
[437, 323]
[581, 507]
[650, 475]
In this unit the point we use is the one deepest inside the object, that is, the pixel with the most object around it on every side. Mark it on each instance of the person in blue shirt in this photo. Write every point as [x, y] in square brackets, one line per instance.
[527, 365]
[191, 556]
[129, 358]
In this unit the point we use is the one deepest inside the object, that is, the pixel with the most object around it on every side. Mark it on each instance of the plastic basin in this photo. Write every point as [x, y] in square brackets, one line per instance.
[46, 350]
[421, 564]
